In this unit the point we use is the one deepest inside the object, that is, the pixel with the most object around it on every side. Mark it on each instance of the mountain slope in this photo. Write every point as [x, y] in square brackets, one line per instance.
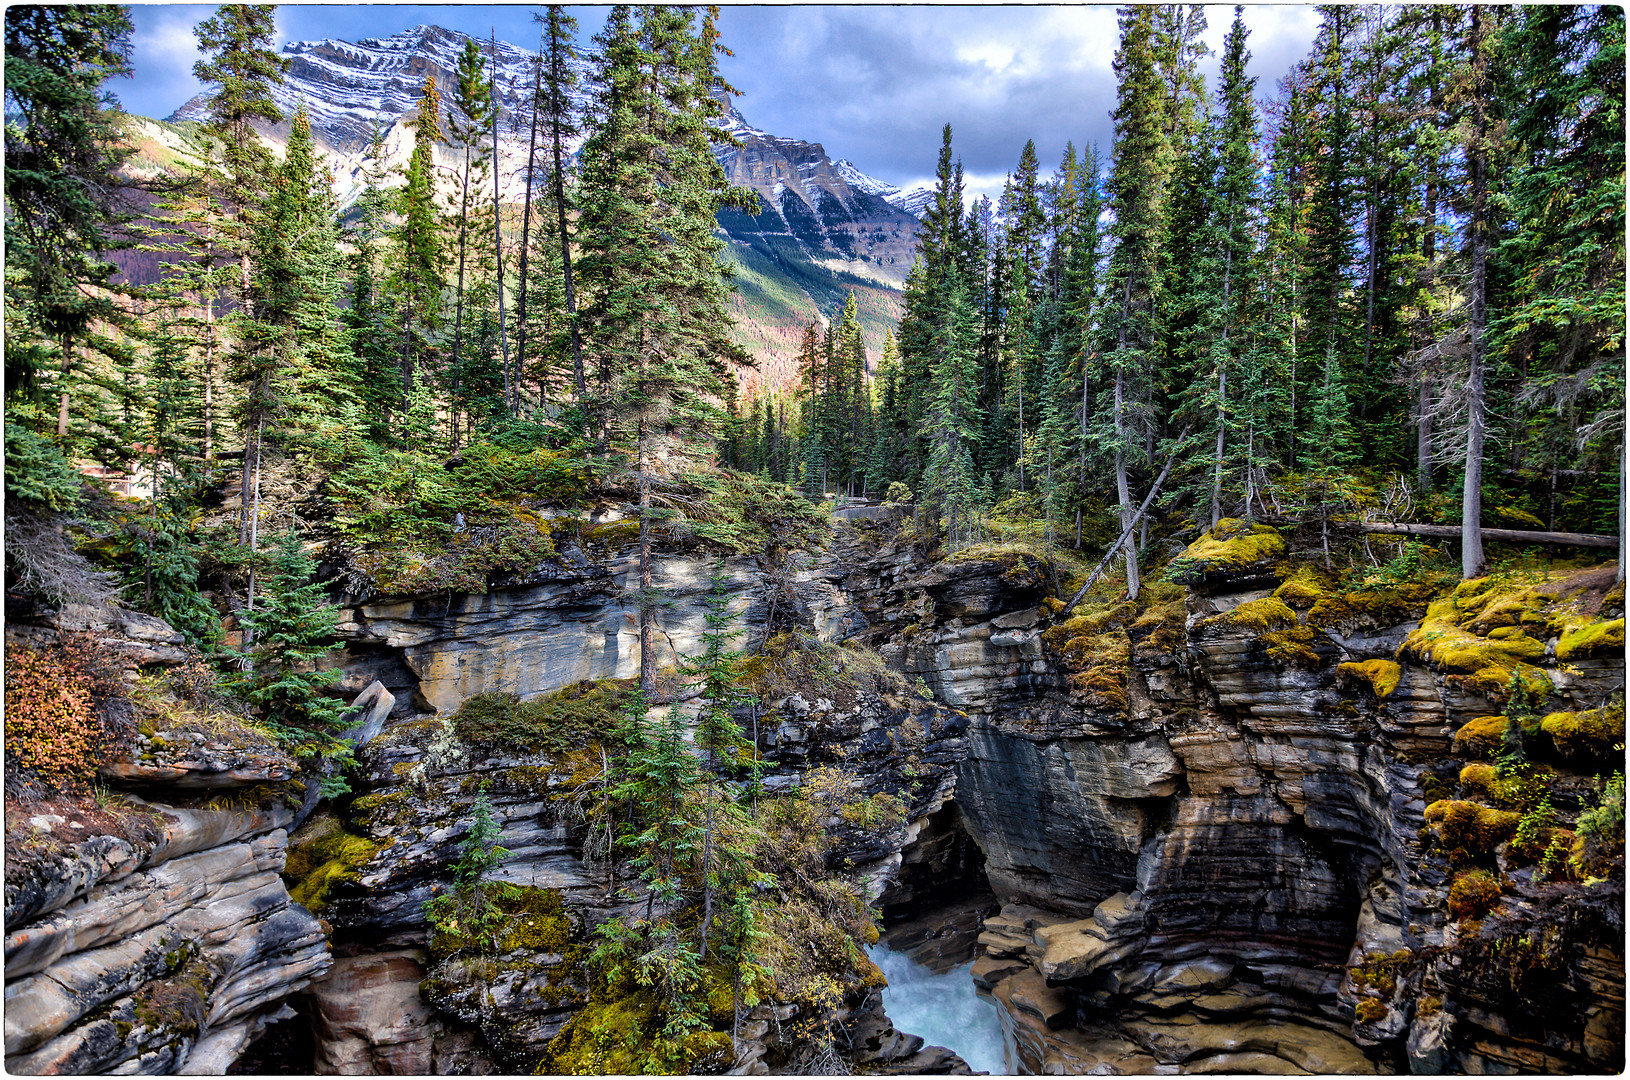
[822, 228]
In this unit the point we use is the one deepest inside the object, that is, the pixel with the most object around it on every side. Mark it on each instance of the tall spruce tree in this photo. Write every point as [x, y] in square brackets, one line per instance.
[1134, 277]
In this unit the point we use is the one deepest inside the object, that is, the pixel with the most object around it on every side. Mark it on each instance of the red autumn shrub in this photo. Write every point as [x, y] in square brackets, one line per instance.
[53, 738]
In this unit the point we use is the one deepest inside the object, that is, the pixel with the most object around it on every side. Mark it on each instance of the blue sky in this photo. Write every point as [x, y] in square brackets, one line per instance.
[872, 83]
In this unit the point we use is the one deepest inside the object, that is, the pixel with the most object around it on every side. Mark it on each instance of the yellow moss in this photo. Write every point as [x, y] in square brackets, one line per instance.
[1299, 593]
[1293, 646]
[1380, 675]
[1477, 829]
[1595, 736]
[1480, 737]
[316, 867]
[1473, 894]
[1269, 613]
[1098, 669]
[1370, 1010]
[1235, 545]
[1590, 640]
[1482, 665]
[1162, 628]
[1484, 783]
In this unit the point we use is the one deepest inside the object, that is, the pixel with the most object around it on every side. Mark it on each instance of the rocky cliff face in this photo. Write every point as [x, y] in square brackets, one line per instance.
[1236, 826]
[1208, 825]
[154, 934]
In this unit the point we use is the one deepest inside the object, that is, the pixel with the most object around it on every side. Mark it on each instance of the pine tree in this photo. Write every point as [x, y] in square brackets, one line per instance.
[558, 80]
[1563, 324]
[950, 485]
[63, 202]
[473, 105]
[368, 314]
[419, 252]
[716, 733]
[240, 63]
[292, 627]
[650, 192]
[1134, 279]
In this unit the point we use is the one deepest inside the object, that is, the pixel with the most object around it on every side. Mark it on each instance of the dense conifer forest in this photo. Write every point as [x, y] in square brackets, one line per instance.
[1389, 289]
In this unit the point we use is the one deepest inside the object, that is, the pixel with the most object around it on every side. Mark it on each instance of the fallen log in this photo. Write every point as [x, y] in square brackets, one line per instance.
[1452, 532]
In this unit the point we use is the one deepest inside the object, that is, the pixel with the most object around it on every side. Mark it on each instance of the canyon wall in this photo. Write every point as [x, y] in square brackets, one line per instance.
[1218, 824]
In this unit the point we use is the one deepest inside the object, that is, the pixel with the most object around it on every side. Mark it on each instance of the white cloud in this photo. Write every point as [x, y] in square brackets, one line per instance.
[164, 49]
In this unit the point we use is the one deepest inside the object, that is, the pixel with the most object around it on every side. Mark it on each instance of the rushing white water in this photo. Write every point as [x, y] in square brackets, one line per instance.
[943, 1009]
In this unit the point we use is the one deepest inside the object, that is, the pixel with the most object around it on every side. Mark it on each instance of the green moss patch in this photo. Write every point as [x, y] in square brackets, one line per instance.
[1269, 613]
[1594, 737]
[1481, 737]
[1476, 829]
[1233, 547]
[1473, 894]
[1590, 640]
[1521, 790]
[315, 867]
[1381, 676]
[563, 721]
[535, 921]
[1493, 667]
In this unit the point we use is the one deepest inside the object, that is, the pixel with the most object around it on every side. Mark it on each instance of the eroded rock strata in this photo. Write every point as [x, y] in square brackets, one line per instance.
[1211, 849]
[1231, 827]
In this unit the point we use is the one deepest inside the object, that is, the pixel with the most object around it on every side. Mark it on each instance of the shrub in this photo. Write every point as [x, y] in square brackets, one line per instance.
[1473, 894]
[565, 720]
[52, 734]
[1600, 831]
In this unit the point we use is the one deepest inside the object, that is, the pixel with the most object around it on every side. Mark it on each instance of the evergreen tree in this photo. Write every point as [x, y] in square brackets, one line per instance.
[241, 65]
[292, 627]
[368, 314]
[419, 252]
[474, 106]
[1134, 278]
[651, 189]
[63, 202]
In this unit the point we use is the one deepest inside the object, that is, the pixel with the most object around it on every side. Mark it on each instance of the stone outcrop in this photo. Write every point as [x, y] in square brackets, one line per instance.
[1187, 879]
[166, 952]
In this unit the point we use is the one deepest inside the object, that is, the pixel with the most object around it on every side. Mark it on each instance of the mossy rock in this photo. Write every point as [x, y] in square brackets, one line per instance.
[1381, 676]
[1481, 737]
[1294, 647]
[315, 867]
[1494, 668]
[1234, 551]
[536, 921]
[1478, 829]
[1370, 1010]
[1268, 613]
[1594, 737]
[563, 721]
[1592, 640]
[1474, 894]
[1483, 783]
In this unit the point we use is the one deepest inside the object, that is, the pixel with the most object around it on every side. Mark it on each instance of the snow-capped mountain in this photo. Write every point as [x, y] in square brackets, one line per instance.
[822, 228]
[349, 87]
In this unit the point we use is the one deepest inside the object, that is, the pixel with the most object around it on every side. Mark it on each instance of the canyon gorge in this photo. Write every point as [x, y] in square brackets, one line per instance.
[1217, 829]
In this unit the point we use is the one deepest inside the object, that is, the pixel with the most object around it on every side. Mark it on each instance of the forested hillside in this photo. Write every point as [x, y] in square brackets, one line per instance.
[1263, 325]
[1394, 283]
